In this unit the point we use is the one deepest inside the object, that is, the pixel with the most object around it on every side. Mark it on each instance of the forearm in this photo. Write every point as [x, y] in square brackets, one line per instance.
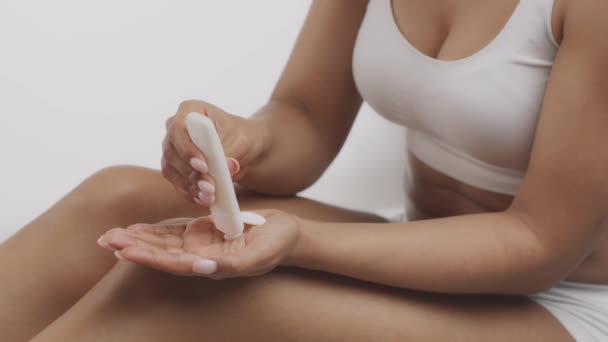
[295, 154]
[485, 253]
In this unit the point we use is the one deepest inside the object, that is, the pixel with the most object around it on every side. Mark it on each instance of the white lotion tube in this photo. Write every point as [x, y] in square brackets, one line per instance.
[225, 210]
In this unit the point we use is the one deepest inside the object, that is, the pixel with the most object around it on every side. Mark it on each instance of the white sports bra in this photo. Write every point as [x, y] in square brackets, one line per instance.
[472, 119]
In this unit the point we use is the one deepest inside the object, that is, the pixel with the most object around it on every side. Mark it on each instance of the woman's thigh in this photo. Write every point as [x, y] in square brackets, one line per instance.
[54, 260]
[133, 303]
[56, 242]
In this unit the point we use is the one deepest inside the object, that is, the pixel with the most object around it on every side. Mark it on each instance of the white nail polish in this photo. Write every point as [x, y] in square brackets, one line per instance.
[118, 256]
[203, 197]
[199, 165]
[204, 266]
[101, 242]
[206, 198]
[238, 165]
[205, 186]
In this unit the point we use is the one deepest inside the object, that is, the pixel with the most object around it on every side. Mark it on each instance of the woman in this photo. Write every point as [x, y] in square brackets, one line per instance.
[506, 109]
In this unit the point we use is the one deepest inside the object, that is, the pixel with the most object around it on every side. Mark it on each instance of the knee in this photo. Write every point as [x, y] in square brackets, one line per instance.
[120, 190]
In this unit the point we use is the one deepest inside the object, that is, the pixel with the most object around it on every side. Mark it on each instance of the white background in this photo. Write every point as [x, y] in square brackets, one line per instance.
[84, 85]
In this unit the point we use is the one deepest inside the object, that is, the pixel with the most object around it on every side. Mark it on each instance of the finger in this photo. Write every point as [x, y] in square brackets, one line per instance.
[180, 139]
[215, 114]
[164, 241]
[239, 174]
[159, 229]
[209, 179]
[186, 150]
[119, 238]
[102, 242]
[192, 185]
[183, 193]
[171, 163]
[179, 263]
[173, 159]
[186, 187]
[192, 180]
[206, 190]
[195, 190]
[169, 243]
[233, 165]
[173, 176]
[169, 121]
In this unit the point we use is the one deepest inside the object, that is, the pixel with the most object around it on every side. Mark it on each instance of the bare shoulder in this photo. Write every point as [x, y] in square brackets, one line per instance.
[580, 11]
[583, 16]
[585, 29]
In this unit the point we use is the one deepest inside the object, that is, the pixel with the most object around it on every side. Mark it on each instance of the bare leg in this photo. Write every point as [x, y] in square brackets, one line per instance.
[54, 260]
[136, 304]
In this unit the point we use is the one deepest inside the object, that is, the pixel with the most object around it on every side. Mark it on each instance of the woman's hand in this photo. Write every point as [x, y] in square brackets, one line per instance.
[184, 165]
[198, 248]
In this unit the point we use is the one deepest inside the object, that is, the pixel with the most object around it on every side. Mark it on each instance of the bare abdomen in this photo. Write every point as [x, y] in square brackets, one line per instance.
[434, 195]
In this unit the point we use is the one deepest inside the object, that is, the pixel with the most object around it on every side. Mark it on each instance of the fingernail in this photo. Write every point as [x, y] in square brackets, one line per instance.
[204, 266]
[123, 239]
[101, 242]
[206, 187]
[237, 166]
[199, 202]
[199, 165]
[118, 256]
[207, 199]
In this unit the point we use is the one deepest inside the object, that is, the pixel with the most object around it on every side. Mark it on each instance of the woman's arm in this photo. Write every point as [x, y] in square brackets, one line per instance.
[314, 103]
[483, 253]
[554, 222]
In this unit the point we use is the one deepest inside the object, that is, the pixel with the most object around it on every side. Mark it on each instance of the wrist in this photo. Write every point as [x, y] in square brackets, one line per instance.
[299, 256]
[255, 136]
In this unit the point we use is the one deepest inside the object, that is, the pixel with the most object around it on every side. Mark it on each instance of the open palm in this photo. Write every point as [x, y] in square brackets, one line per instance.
[198, 248]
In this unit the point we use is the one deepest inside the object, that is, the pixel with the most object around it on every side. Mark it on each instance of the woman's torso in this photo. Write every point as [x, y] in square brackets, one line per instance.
[467, 78]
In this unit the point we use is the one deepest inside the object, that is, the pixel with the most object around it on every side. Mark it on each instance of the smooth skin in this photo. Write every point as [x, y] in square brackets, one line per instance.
[343, 281]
